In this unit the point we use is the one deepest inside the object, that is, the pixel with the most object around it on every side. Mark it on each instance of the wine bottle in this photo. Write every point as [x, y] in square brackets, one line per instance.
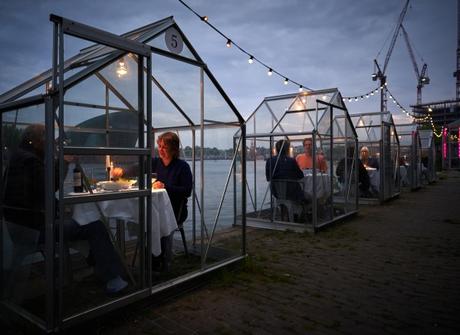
[77, 179]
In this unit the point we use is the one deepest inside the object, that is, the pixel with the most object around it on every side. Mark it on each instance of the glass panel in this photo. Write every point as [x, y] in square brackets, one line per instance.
[23, 247]
[216, 108]
[101, 239]
[100, 111]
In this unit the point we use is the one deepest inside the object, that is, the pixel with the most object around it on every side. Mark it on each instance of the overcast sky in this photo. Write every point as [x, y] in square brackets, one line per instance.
[319, 43]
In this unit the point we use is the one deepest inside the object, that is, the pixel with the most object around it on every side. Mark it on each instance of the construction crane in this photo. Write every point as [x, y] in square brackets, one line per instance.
[422, 79]
[457, 72]
[380, 74]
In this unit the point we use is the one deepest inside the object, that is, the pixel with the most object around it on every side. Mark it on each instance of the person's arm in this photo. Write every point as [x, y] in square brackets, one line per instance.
[363, 176]
[322, 163]
[339, 170]
[298, 172]
[267, 169]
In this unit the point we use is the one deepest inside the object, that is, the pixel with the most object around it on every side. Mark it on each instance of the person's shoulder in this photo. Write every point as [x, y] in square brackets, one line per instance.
[182, 163]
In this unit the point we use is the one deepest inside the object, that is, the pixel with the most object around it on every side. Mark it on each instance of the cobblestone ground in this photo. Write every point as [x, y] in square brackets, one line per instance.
[392, 269]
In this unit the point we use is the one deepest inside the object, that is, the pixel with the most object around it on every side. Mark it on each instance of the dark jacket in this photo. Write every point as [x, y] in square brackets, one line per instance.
[24, 195]
[363, 176]
[177, 178]
[287, 170]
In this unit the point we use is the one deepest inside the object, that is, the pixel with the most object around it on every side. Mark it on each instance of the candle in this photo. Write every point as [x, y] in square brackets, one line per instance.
[107, 167]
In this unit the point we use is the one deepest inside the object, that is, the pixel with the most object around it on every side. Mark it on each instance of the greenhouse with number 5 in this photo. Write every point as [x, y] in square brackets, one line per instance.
[286, 187]
[104, 157]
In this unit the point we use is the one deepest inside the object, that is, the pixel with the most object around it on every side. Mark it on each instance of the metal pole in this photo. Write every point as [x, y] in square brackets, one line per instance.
[202, 164]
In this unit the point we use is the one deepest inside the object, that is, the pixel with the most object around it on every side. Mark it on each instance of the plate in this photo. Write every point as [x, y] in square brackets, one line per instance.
[110, 185]
[77, 193]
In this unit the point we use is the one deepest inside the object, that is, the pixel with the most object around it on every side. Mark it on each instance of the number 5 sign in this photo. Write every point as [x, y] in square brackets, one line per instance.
[174, 41]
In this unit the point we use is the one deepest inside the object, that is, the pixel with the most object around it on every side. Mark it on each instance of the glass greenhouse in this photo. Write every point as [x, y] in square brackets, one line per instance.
[291, 190]
[451, 146]
[428, 159]
[103, 110]
[379, 152]
[410, 155]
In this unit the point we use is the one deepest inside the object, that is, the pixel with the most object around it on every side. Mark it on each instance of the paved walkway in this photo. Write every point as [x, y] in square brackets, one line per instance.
[393, 269]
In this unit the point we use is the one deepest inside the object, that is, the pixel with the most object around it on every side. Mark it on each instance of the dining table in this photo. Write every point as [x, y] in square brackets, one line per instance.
[374, 178]
[322, 188]
[127, 209]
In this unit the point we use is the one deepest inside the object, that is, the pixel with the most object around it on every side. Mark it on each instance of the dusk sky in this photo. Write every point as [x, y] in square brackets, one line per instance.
[319, 43]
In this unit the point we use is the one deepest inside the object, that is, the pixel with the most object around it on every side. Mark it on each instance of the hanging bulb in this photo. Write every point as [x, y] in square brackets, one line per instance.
[286, 81]
[270, 72]
[204, 18]
[367, 96]
[251, 60]
[300, 88]
[121, 68]
[356, 98]
[229, 43]
[349, 99]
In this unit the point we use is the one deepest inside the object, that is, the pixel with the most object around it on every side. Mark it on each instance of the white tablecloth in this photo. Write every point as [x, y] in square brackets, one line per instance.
[163, 219]
[323, 186]
[374, 178]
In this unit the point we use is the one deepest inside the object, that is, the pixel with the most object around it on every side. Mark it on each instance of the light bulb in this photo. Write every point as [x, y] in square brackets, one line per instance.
[204, 18]
[286, 81]
[251, 60]
[300, 88]
[229, 43]
[121, 69]
[270, 72]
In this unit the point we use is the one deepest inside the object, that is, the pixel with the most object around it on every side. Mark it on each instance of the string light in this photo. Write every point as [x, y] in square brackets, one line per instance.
[252, 58]
[300, 88]
[286, 81]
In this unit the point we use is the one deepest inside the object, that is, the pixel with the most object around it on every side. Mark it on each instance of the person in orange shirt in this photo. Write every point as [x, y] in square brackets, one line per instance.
[305, 161]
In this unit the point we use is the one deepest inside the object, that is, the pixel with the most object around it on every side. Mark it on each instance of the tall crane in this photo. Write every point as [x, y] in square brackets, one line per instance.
[422, 79]
[380, 74]
[457, 73]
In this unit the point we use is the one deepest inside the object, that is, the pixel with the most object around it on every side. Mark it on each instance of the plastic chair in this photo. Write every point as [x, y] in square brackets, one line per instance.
[289, 198]
[180, 225]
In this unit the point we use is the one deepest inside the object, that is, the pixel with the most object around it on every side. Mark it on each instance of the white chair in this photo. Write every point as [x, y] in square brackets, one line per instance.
[288, 198]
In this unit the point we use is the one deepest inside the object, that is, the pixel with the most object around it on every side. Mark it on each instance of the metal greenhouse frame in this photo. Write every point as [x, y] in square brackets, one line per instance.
[450, 150]
[411, 153]
[428, 159]
[321, 117]
[377, 132]
[106, 104]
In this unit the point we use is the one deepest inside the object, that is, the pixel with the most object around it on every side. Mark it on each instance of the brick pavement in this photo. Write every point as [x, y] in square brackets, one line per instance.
[392, 269]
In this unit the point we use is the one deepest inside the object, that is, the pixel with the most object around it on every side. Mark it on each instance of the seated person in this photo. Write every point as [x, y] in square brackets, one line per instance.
[305, 160]
[174, 175]
[363, 177]
[368, 161]
[24, 204]
[283, 167]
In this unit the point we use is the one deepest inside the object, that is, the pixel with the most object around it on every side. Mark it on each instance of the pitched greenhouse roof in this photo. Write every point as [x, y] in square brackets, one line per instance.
[303, 111]
[94, 53]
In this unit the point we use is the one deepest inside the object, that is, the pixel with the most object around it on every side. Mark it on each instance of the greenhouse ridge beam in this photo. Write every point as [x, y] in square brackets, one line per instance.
[100, 36]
